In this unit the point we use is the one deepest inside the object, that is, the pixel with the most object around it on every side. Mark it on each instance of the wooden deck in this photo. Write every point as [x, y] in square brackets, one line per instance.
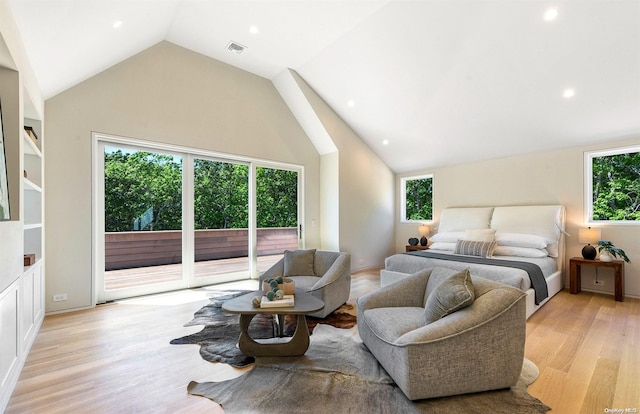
[140, 276]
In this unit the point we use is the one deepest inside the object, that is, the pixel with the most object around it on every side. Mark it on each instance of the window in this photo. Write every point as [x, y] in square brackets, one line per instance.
[417, 198]
[612, 186]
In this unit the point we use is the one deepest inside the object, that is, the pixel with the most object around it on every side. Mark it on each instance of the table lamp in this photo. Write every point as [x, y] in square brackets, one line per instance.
[589, 236]
[423, 230]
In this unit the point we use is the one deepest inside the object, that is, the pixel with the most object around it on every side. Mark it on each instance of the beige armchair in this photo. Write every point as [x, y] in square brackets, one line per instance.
[325, 275]
[477, 346]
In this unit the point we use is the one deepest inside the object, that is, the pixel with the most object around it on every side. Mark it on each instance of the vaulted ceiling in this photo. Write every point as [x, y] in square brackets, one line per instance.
[423, 82]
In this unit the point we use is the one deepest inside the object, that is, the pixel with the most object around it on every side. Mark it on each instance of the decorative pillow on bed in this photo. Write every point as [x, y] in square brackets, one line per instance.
[454, 293]
[299, 262]
[519, 251]
[475, 248]
[485, 235]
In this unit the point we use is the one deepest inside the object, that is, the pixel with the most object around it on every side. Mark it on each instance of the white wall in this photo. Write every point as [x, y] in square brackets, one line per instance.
[170, 95]
[329, 196]
[550, 177]
[366, 202]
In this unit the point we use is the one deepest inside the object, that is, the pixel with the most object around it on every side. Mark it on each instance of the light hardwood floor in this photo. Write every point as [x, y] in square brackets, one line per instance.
[116, 358]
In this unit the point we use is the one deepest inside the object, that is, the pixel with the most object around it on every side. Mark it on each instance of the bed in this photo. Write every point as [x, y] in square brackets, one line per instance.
[521, 246]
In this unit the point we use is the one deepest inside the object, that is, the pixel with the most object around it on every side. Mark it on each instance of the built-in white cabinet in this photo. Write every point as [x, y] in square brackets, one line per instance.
[32, 283]
[21, 282]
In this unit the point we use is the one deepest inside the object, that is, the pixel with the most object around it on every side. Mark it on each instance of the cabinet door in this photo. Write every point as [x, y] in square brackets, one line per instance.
[8, 334]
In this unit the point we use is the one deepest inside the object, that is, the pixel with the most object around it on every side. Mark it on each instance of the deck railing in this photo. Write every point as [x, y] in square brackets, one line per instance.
[132, 249]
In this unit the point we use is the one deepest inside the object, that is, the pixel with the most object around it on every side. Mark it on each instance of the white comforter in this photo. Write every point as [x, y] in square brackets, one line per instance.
[407, 263]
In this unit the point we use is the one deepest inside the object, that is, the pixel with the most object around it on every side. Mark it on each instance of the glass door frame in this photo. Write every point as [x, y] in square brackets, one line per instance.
[188, 280]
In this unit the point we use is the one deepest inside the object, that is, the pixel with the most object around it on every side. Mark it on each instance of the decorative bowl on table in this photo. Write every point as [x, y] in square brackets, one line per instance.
[288, 286]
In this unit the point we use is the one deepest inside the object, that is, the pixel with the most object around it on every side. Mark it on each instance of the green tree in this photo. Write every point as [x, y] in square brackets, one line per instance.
[142, 185]
[277, 197]
[616, 187]
[419, 199]
[221, 197]
[143, 191]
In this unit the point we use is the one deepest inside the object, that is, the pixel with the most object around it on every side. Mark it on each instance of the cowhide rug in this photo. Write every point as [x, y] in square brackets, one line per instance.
[339, 375]
[221, 330]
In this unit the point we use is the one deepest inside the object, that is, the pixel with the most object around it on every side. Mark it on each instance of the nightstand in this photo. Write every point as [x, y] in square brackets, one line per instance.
[410, 248]
[575, 264]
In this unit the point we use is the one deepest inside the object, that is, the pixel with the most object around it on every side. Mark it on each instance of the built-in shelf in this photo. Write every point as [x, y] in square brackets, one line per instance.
[22, 297]
[36, 263]
[29, 185]
[30, 147]
[32, 226]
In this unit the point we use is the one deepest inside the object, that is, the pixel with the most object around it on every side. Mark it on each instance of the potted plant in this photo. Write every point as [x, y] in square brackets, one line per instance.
[608, 251]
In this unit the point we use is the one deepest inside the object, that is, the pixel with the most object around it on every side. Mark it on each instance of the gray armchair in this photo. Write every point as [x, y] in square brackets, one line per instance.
[325, 275]
[477, 348]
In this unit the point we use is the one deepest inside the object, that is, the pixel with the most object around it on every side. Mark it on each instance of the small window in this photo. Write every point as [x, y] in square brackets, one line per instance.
[612, 186]
[417, 198]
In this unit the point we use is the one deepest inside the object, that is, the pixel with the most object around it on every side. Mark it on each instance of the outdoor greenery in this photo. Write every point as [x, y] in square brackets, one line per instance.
[616, 187]
[221, 197]
[419, 199]
[142, 188]
[143, 191]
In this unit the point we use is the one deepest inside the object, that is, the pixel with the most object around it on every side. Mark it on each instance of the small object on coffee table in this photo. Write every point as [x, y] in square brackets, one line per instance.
[288, 286]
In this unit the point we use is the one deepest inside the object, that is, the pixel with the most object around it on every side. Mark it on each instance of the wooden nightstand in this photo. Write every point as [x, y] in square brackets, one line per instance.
[410, 248]
[575, 264]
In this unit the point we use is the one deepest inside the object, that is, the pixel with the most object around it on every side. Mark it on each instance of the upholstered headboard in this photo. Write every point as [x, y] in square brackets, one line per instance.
[545, 221]
[464, 218]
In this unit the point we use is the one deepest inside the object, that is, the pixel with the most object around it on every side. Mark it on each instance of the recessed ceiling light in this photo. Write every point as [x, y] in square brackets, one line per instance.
[385, 142]
[351, 103]
[118, 24]
[253, 30]
[550, 14]
[568, 93]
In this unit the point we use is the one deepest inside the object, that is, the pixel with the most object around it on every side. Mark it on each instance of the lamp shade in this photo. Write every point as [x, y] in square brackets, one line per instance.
[424, 230]
[589, 235]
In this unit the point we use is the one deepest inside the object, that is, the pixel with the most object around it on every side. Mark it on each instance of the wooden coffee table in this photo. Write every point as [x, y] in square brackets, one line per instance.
[299, 343]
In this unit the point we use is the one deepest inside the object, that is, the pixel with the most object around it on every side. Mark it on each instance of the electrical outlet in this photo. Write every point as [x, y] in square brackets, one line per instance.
[60, 297]
[361, 262]
[598, 282]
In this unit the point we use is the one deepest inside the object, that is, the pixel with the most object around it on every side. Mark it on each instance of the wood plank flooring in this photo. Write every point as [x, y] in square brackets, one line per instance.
[116, 358]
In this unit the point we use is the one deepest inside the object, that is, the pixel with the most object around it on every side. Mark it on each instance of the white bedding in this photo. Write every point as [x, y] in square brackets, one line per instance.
[527, 232]
[408, 264]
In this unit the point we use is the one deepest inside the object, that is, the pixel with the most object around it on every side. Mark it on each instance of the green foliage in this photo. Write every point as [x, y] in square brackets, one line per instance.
[221, 195]
[139, 181]
[419, 199]
[616, 187]
[613, 250]
[141, 186]
[276, 197]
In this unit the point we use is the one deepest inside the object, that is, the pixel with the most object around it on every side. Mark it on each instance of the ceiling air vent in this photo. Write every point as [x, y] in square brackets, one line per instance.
[235, 47]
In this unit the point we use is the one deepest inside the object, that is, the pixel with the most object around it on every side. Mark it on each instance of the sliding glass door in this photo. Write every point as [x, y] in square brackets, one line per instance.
[168, 218]
[276, 214]
[142, 219]
[221, 220]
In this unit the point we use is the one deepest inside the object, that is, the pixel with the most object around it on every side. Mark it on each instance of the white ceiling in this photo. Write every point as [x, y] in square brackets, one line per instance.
[444, 82]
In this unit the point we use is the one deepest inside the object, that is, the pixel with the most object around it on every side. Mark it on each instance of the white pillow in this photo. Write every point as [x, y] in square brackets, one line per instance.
[445, 246]
[447, 237]
[521, 240]
[485, 235]
[519, 251]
